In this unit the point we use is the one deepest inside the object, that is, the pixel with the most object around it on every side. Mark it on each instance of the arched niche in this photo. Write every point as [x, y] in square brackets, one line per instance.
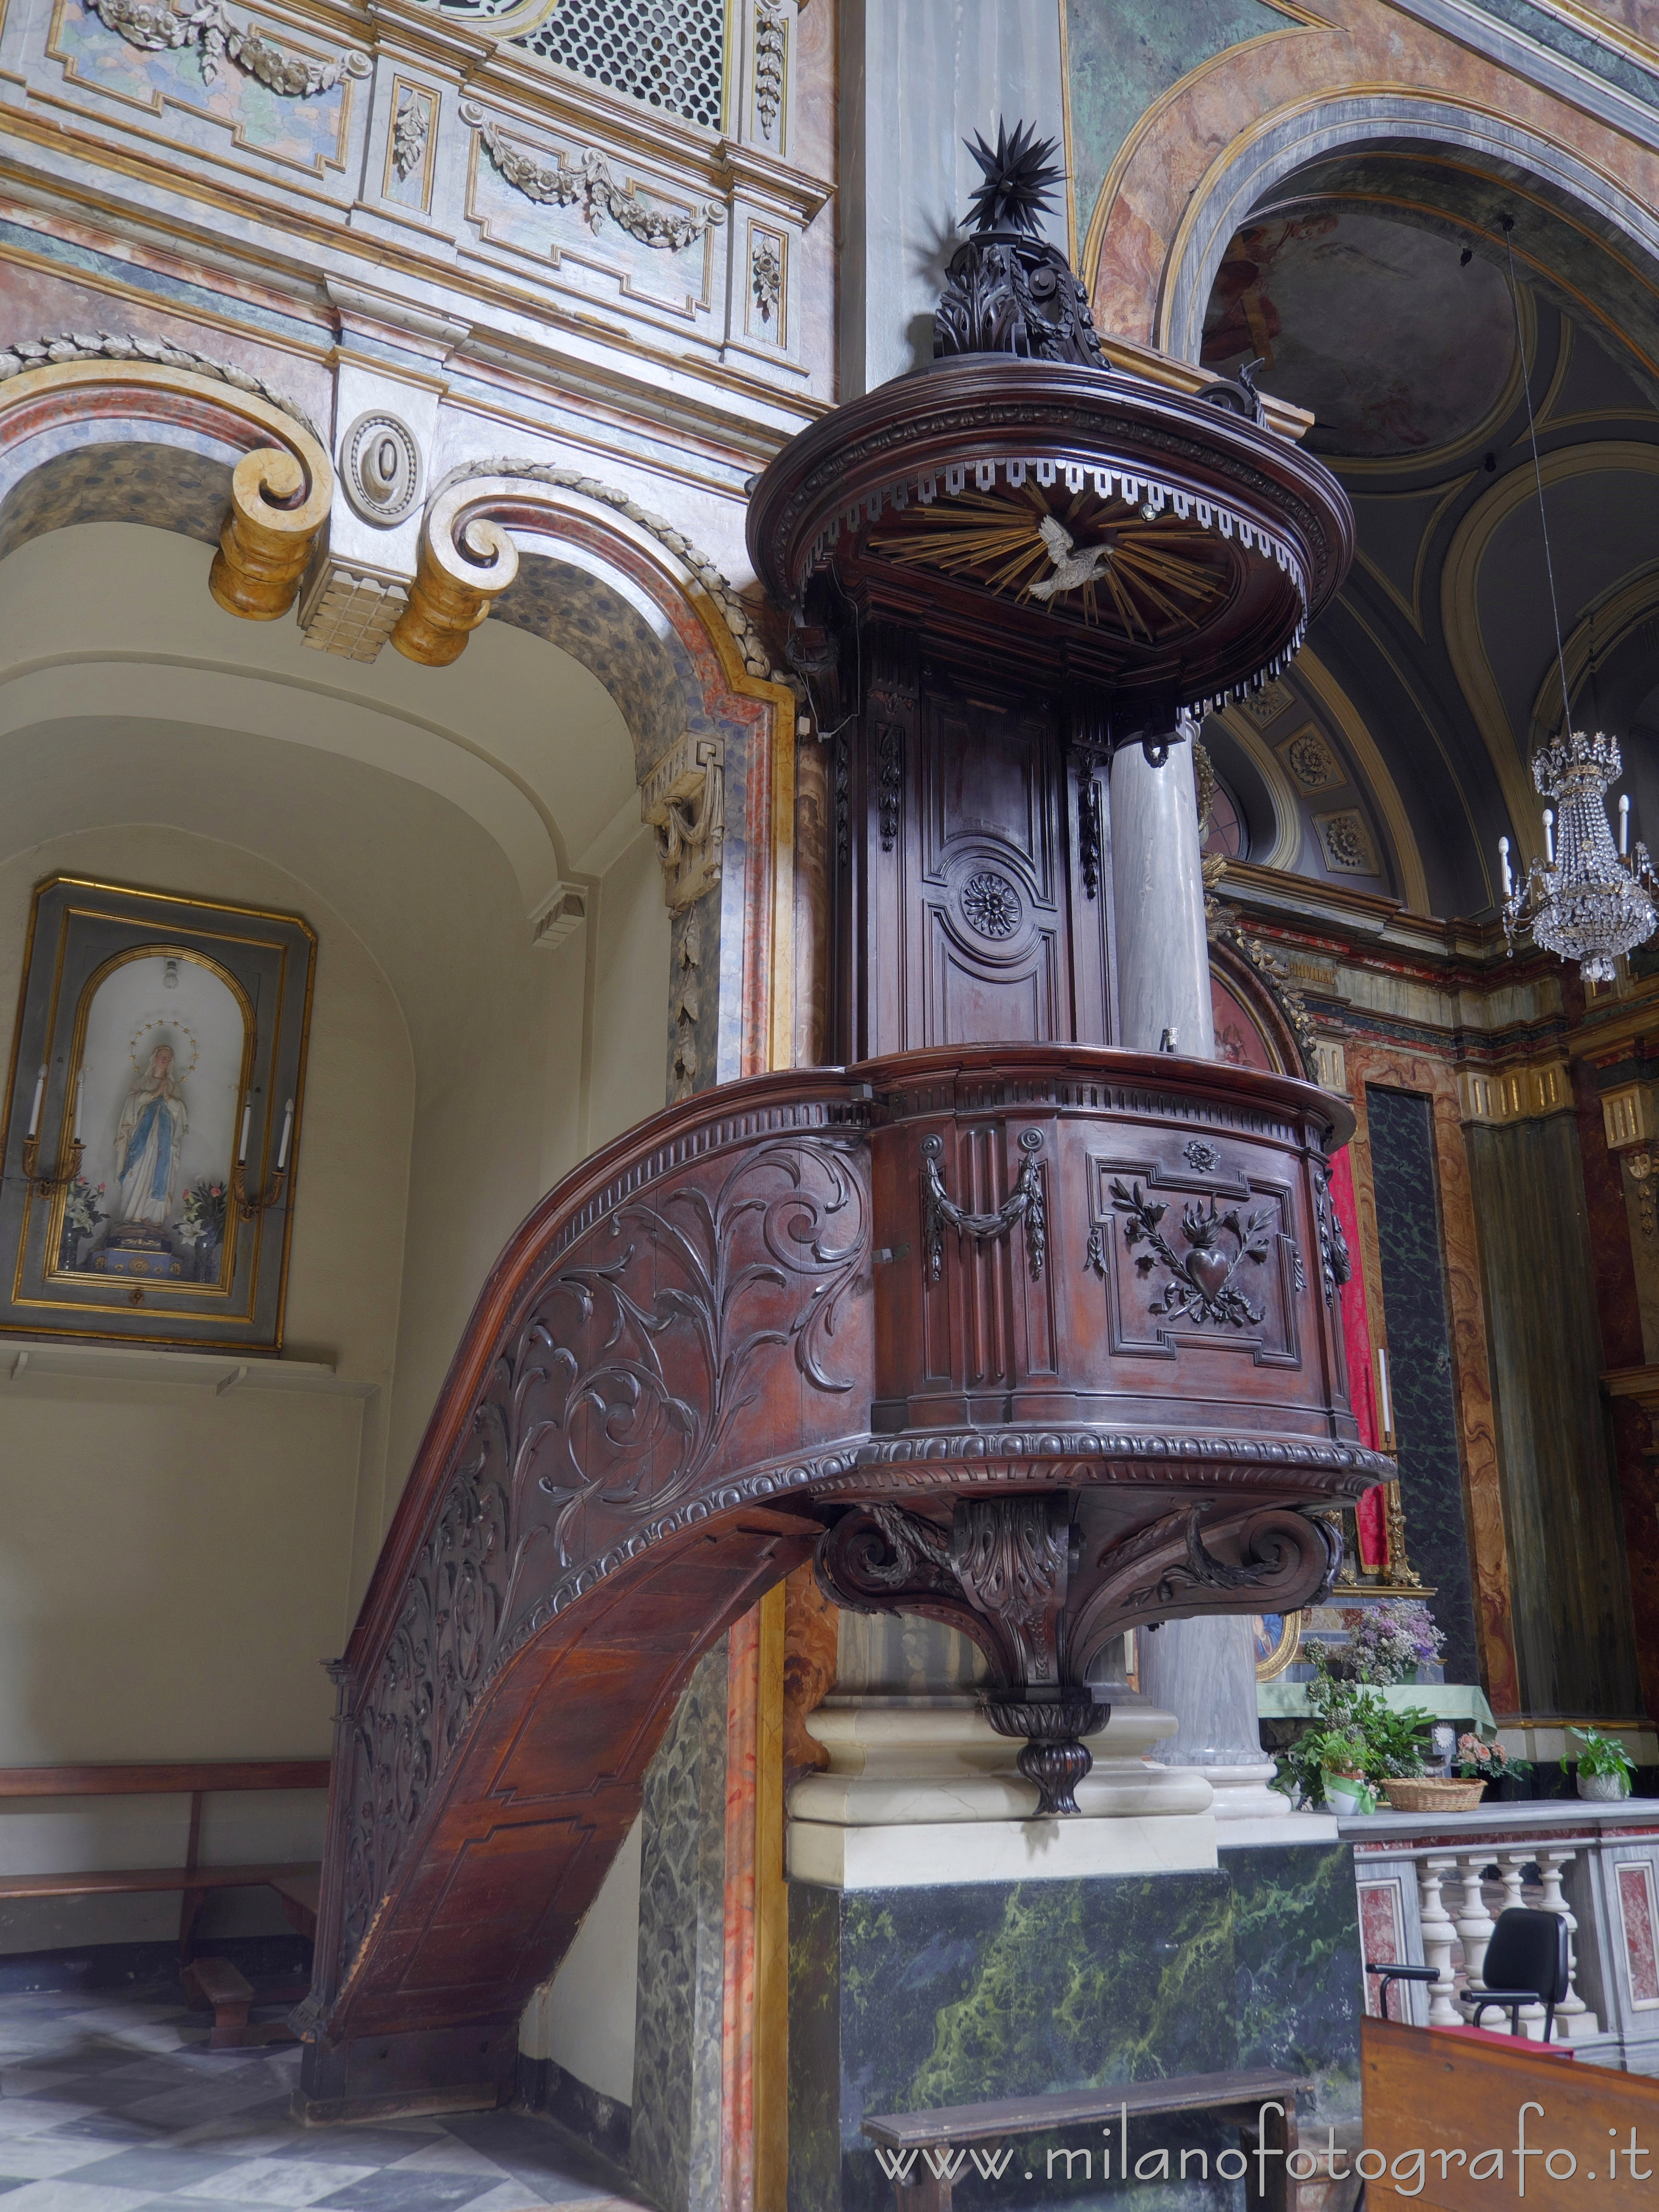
[1173, 200]
[1256, 1018]
[126, 429]
[577, 563]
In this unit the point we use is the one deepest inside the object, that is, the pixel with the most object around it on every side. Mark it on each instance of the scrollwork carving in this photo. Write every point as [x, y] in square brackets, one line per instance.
[1177, 1567]
[1019, 1576]
[617, 1396]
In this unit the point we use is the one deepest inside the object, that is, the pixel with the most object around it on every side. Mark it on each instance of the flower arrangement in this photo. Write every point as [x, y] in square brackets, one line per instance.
[203, 1213]
[83, 1216]
[1387, 1643]
[1354, 1725]
[1486, 1762]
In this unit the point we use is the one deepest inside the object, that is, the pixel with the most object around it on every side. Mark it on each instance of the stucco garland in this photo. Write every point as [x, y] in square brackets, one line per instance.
[21, 354]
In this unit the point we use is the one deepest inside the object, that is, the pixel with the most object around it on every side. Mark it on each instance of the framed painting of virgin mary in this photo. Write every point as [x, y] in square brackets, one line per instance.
[152, 1120]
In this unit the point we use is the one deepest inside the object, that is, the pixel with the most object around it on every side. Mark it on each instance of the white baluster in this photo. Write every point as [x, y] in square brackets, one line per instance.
[1439, 1938]
[1475, 1923]
[1573, 2017]
[1509, 1873]
[1531, 2021]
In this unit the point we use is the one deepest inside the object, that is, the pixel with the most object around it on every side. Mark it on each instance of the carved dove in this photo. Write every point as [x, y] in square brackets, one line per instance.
[1071, 568]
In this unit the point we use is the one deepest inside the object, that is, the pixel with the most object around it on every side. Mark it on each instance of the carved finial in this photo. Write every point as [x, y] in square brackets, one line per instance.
[1017, 190]
[1007, 288]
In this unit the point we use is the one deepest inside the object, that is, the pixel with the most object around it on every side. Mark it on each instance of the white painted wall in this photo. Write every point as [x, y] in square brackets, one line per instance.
[174, 1566]
[584, 2018]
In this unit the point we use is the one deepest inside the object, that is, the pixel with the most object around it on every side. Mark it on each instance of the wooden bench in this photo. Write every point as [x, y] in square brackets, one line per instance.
[924, 2153]
[295, 1883]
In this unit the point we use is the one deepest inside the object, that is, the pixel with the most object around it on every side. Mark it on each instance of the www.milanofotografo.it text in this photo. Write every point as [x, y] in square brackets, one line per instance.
[1405, 2172]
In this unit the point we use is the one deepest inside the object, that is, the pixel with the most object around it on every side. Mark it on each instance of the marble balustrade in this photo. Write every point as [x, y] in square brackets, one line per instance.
[1430, 1888]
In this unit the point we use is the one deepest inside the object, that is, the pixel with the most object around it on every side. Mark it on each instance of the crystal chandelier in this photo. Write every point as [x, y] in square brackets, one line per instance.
[1584, 900]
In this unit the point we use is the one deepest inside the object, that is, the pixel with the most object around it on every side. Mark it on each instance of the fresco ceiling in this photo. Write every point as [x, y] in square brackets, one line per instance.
[1371, 324]
[1374, 290]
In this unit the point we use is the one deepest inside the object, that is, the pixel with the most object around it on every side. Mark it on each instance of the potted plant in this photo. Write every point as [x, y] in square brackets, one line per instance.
[1387, 1643]
[1398, 1740]
[1340, 1755]
[1604, 1766]
[1475, 1761]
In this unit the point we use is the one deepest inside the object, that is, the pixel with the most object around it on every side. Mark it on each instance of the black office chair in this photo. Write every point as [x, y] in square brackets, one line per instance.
[1527, 1962]
[1392, 1970]
[1528, 1951]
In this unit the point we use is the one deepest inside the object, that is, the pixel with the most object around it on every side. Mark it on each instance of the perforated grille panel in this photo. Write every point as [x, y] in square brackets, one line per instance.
[668, 54]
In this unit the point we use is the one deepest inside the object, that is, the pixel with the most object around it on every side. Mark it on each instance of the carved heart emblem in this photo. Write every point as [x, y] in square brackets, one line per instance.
[1208, 1271]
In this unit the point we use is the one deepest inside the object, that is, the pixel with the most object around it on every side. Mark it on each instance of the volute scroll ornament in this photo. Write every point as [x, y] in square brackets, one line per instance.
[1042, 1582]
[281, 490]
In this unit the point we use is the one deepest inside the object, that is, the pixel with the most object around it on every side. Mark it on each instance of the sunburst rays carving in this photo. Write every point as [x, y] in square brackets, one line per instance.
[1150, 577]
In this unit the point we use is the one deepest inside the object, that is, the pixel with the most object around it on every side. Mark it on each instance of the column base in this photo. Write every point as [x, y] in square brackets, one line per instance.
[923, 1790]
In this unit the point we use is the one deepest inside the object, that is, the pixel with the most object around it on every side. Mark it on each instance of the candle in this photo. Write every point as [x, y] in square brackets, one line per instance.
[1623, 825]
[241, 1149]
[288, 1131]
[80, 1088]
[1549, 836]
[1504, 863]
[35, 1110]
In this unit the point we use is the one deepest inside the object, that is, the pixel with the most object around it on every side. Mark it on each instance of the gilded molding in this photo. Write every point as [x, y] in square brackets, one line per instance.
[279, 492]
[460, 579]
[1525, 1093]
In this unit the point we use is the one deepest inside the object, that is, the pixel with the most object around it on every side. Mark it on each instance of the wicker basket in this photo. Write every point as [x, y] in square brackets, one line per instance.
[1433, 1793]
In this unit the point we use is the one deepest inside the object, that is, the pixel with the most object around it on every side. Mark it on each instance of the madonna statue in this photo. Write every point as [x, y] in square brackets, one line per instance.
[147, 1144]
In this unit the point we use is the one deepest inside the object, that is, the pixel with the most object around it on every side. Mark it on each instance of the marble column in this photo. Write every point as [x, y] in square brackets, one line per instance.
[1202, 1671]
[1157, 902]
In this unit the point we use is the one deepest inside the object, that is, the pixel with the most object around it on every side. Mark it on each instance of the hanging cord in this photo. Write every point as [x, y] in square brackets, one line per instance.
[1508, 222]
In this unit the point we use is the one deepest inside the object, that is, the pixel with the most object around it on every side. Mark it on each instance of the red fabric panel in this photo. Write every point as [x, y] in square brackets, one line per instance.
[1357, 1343]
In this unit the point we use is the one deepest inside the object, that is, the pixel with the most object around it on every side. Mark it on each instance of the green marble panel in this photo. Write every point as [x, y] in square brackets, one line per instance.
[901, 1999]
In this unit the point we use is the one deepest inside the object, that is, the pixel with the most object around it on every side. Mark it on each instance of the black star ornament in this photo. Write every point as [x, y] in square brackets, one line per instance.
[1019, 177]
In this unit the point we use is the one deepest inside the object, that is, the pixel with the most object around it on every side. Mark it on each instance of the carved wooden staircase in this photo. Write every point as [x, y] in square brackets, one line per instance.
[1094, 1290]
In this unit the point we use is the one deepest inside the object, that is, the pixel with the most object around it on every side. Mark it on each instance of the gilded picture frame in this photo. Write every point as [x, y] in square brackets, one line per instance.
[1278, 1641]
[154, 1111]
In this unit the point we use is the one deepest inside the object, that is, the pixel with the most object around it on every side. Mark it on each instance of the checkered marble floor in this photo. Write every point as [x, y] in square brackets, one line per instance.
[113, 2103]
